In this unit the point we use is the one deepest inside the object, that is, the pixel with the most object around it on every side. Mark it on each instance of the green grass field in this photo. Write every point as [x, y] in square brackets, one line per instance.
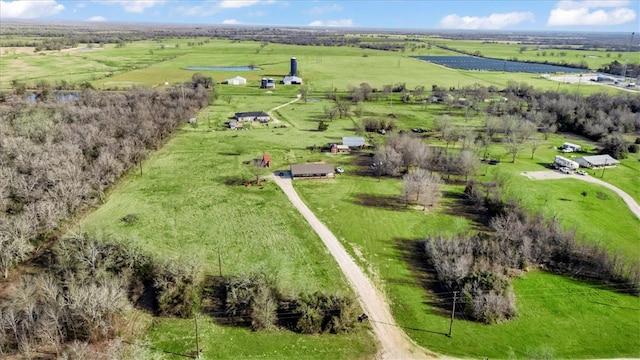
[188, 211]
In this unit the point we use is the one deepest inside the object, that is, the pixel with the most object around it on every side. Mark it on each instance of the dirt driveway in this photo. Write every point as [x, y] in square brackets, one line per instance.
[552, 174]
[395, 344]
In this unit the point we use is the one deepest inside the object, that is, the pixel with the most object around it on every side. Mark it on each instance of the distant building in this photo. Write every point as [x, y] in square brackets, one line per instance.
[266, 160]
[238, 80]
[597, 161]
[260, 116]
[353, 142]
[569, 147]
[312, 171]
[292, 80]
[339, 148]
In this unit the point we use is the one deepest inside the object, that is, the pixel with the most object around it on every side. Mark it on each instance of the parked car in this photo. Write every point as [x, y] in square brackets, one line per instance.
[565, 170]
[581, 172]
[339, 170]
[494, 162]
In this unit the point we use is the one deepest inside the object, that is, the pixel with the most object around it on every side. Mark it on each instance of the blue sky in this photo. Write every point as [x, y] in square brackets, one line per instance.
[539, 15]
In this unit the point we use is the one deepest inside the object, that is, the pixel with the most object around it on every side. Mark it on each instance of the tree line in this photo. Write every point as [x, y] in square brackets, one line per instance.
[481, 265]
[57, 157]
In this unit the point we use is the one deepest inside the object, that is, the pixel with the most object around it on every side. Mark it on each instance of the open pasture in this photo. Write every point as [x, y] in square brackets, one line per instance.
[154, 63]
[192, 206]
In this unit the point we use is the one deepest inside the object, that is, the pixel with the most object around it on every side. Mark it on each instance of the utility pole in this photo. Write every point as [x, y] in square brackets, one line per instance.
[195, 319]
[453, 312]
[626, 61]
[219, 262]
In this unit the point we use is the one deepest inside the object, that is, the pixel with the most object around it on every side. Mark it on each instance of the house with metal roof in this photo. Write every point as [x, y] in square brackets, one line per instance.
[597, 161]
[353, 142]
[260, 116]
[320, 170]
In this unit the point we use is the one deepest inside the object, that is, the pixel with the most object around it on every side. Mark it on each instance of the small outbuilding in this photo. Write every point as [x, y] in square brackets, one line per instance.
[266, 160]
[353, 142]
[320, 170]
[238, 80]
[260, 116]
[597, 161]
[339, 149]
[292, 80]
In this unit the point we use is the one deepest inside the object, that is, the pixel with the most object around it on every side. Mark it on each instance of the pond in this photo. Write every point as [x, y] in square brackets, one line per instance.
[482, 64]
[224, 68]
[58, 96]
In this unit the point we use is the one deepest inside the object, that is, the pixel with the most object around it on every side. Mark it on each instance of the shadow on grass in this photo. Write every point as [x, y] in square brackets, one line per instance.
[459, 205]
[383, 202]
[162, 351]
[412, 253]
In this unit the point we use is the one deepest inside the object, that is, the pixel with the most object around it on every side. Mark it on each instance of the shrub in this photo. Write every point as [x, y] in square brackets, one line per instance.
[177, 289]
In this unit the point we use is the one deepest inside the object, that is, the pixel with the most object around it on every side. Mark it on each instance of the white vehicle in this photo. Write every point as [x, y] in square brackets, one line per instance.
[561, 162]
[339, 170]
[581, 172]
[565, 170]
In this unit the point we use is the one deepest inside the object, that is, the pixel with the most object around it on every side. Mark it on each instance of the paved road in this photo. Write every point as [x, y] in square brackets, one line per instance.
[552, 174]
[395, 344]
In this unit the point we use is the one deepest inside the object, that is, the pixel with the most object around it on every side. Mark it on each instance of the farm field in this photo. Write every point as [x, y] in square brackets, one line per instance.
[154, 63]
[192, 205]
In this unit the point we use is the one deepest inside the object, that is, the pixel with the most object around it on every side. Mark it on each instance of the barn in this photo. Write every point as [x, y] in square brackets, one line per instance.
[238, 80]
[260, 116]
[597, 161]
[353, 142]
[321, 170]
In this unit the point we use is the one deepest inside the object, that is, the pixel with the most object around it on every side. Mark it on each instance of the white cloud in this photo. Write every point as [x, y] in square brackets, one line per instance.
[213, 7]
[319, 10]
[97, 19]
[493, 21]
[135, 6]
[333, 23]
[29, 9]
[230, 22]
[591, 13]
[234, 4]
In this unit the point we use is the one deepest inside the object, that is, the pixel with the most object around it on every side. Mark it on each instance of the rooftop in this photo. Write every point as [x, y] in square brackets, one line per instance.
[311, 169]
[601, 160]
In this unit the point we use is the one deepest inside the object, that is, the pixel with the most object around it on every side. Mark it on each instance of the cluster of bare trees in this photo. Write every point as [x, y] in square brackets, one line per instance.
[481, 265]
[59, 156]
[421, 165]
[256, 301]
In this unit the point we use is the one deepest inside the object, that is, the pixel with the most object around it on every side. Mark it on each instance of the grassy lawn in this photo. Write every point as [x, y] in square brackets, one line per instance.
[190, 209]
[187, 213]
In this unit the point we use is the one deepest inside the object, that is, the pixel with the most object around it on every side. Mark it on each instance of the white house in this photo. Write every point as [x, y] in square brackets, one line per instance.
[597, 161]
[292, 80]
[238, 80]
[260, 116]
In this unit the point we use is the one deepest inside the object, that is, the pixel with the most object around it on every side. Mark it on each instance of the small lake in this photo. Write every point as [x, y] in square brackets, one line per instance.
[58, 96]
[224, 68]
[482, 64]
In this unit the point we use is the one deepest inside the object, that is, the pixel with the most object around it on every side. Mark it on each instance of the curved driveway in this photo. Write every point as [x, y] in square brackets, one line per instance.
[550, 174]
[395, 344]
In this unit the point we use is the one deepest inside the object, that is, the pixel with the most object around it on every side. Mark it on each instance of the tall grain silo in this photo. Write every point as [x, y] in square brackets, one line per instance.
[294, 67]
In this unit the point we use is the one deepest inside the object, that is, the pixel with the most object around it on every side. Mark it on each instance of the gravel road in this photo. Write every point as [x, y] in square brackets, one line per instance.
[394, 343]
[552, 174]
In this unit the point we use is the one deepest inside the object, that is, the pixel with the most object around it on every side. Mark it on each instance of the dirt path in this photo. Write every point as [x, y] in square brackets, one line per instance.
[551, 174]
[270, 112]
[395, 344]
